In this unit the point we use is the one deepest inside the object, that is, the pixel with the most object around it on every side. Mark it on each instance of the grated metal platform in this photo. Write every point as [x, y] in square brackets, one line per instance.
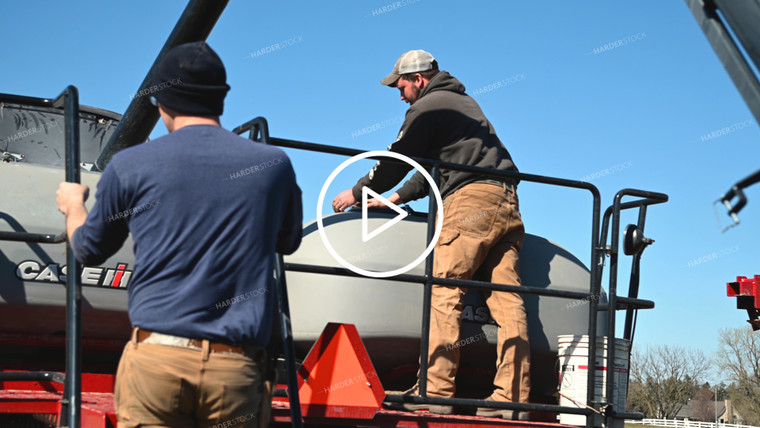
[392, 418]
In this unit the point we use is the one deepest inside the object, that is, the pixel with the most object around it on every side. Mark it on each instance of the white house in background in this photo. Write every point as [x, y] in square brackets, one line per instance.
[724, 410]
[729, 415]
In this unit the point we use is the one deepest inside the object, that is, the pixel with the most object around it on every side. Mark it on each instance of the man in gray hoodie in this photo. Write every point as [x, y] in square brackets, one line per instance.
[482, 229]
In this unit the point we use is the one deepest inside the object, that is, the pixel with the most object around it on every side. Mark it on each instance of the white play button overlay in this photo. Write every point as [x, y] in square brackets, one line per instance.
[401, 214]
[366, 235]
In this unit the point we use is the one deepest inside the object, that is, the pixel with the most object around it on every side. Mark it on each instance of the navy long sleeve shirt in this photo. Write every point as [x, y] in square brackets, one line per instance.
[207, 210]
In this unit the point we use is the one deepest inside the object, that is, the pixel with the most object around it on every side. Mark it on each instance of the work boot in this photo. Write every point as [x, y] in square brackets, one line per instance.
[513, 415]
[412, 407]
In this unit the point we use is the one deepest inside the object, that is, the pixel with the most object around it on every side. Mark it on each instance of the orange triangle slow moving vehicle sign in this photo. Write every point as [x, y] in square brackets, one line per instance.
[337, 378]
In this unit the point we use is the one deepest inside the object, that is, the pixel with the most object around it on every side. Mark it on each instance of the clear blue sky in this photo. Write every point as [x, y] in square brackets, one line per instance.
[566, 108]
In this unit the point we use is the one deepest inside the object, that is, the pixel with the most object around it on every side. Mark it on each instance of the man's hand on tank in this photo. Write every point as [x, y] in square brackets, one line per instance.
[344, 201]
[71, 194]
[375, 203]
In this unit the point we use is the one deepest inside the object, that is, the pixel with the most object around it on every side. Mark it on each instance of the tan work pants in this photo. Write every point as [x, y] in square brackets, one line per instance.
[482, 233]
[168, 386]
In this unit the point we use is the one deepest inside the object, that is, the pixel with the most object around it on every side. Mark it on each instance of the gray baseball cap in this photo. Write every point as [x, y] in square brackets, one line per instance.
[410, 62]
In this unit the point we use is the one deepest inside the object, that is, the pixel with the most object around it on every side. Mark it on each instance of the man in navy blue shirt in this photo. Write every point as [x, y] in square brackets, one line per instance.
[207, 211]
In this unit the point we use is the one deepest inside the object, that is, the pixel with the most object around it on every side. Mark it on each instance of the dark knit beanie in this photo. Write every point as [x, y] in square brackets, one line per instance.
[191, 80]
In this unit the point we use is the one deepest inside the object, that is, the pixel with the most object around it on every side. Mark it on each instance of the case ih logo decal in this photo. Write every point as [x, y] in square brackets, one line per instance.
[31, 270]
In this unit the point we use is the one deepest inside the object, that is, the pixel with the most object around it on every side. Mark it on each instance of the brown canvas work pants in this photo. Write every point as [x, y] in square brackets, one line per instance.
[482, 233]
[170, 386]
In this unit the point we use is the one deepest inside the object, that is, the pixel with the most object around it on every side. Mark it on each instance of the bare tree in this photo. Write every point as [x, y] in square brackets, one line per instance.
[738, 357]
[703, 405]
[664, 378]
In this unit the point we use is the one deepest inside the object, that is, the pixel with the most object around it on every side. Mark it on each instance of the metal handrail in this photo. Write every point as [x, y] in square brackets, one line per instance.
[33, 377]
[259, 126]
[71, 401]
[260, 133]
[468, 283]
[650, 198]
[41, 238]
[287, 336]
[427, 291]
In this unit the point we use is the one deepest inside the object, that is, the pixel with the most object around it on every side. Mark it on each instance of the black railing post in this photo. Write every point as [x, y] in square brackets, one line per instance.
[72, 400]
[258, 130]
[287, 342]
[70, 417]
[595, 287]
[611, 312]
[428, 288]
[260, 127]
[612, 289]
[633, 291]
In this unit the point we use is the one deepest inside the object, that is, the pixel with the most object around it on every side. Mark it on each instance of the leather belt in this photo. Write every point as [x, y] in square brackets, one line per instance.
[509, 183]
[183, 342]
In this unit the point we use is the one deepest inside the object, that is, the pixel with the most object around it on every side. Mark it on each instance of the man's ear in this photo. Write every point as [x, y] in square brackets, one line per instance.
[419, 80]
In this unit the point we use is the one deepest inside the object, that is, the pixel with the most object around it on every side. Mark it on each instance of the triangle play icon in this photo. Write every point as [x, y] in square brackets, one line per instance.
[366, 235]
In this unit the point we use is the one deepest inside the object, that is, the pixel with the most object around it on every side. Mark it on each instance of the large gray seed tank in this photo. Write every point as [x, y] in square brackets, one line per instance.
[388, 314]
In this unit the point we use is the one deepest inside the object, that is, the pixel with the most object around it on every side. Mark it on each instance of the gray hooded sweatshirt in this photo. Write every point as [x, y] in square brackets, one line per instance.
[444, 124]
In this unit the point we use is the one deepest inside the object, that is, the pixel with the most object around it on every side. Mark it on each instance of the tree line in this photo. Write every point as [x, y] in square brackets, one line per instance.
[664, 379]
